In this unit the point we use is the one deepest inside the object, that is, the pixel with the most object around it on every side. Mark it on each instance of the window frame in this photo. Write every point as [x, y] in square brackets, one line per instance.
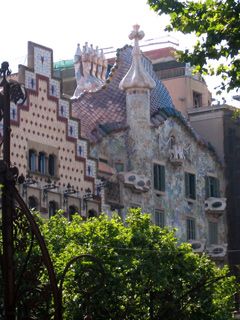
[32, 163]
[159, 218]
[213, 232]
[31, 200]
[212, 187]
[190, 228]
[52, 162]
[190, 185]
[42, 162]
[197, 96]
[72, 209]
[50, 207]
[119, 166]
[159, 177]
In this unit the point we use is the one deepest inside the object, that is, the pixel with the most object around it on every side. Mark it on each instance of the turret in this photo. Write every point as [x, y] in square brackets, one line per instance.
[138, 84]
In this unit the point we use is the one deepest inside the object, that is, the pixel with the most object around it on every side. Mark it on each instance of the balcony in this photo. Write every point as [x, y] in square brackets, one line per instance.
[138, 183]
[197, 245]
[215, 206]
[177, 156]
[179, 72]
[112, 193]
[217, 250]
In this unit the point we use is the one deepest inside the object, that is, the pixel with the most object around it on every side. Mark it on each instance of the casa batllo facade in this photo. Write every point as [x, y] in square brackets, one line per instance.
[46, 145]
[149, 155]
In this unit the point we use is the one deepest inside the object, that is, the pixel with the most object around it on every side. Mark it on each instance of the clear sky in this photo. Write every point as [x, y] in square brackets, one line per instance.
[60, 25]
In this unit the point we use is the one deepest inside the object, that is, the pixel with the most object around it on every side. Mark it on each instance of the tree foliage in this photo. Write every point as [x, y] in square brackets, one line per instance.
[144, 272]
[216, 24]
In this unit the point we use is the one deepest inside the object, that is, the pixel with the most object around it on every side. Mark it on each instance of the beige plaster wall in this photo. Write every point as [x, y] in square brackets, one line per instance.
[181, 91]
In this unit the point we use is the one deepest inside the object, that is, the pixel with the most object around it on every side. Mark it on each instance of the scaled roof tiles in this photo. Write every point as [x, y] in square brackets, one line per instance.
[104, 110]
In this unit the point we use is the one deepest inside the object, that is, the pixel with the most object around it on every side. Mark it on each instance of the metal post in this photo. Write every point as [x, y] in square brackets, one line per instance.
[7, 212]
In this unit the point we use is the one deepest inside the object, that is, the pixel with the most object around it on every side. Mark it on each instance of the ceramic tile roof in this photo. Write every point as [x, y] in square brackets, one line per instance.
[104, 111]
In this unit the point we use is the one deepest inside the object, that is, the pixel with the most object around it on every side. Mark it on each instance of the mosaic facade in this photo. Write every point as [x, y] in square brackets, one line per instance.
[160, 163]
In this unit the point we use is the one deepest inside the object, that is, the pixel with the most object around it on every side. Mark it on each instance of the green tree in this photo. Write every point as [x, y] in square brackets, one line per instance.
[147, 273]
[131, 270]
[216, 24]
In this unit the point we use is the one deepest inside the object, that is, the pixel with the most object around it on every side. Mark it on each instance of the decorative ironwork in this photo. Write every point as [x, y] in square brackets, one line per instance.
[67, 192]
[24, 295]
[49, 186]
[28, 181]
[88, 196]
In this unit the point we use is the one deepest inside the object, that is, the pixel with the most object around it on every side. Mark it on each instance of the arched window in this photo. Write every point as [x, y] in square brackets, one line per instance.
[42, 162]
[52, 208]
[32, 203]
[92, 213]
[71, 211]
[32, 160]
[52, 165]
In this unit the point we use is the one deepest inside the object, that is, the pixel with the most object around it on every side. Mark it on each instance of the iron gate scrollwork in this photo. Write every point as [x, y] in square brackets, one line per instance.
[24, 294]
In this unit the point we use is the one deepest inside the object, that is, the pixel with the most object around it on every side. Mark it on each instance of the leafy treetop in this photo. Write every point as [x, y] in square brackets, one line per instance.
[216, 24]
[148, 275]
[144, 272]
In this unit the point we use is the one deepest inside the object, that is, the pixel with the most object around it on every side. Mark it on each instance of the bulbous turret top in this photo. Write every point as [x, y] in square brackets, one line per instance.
[137, 77]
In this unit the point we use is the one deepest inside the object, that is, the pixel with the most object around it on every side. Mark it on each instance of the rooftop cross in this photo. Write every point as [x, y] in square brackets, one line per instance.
[136, 35]
[137, 76]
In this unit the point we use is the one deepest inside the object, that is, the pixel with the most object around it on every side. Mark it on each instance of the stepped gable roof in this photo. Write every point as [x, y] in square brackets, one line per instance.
[104, 111]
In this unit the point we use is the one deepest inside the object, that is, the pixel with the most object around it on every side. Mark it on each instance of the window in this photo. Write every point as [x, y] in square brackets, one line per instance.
[92, 213]
[32, 203]
[62, 110]
[43, 159]
[71, 211]
[52, 208]
[42, 162]
[13, 114]
[191, 229]
[51, 165]
[159, 218]
[197, 99]
[80, 150]
[212, 187]
[32, 160]
[159, 177]
[213, 232]
[119, 167]
[190, 185]
[89, 170]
